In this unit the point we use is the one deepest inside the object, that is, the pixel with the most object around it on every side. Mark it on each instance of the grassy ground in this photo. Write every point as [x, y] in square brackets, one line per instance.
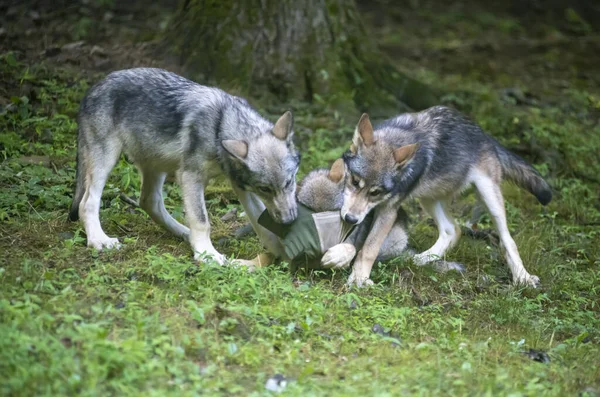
[147, 320]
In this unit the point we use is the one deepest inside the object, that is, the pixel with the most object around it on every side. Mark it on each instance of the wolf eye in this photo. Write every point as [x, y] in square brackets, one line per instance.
[375, 192]
[355, 181]
[264, 189]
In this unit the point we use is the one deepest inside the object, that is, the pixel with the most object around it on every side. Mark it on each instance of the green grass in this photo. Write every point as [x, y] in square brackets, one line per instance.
[147, 320]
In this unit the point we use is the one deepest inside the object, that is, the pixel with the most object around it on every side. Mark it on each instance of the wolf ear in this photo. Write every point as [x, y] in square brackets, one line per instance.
[363, 134]
[336, 173]
[404, 154]
[237, 149]
[283, 127]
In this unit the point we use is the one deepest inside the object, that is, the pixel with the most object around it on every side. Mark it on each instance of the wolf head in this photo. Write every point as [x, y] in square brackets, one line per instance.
[372, 167]
[267, 165]
[322, 189]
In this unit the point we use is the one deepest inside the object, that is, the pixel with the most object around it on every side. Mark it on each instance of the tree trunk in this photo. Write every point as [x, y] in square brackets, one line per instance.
[292, 49]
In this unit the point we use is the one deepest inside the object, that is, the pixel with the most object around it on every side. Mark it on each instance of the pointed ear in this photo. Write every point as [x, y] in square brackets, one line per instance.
[363, 134]
[404, 154]
[283, 127]
[237, 149]
[336, 173]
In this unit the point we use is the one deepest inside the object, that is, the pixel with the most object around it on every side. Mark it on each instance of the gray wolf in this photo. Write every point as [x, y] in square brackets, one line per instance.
[431, 156]
[323, 190]
[166, 124]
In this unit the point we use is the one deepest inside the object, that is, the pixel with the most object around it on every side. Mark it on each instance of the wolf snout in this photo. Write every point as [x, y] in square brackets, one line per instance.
[289, 216]
[285, 217]
[351, 219]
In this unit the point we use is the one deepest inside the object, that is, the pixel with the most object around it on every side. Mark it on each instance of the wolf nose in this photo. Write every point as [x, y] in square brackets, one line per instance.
[290, 217]
[351, 219]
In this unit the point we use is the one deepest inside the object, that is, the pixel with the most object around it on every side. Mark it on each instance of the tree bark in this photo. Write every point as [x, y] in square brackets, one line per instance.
[292, 49]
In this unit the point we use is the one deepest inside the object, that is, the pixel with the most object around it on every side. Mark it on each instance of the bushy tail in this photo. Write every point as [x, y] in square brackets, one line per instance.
[79, 183]
[517, 170]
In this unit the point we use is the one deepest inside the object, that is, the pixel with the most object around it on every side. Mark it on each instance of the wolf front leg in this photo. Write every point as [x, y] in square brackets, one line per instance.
[254, 207]
[192, 185]
[383, 221]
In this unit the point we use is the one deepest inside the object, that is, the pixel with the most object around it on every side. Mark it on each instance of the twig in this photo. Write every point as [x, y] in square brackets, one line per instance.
[126, 199]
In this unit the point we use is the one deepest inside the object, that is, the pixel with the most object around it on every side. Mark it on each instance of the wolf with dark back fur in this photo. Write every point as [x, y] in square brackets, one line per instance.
[432, 156]
[166, 124]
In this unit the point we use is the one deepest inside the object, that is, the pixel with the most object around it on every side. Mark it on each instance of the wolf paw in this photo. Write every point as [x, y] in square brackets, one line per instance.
[424, 258]
[359, 281]
[209, 255]
[339, 256]
[249, 264]
[527, 280]
[106, 242]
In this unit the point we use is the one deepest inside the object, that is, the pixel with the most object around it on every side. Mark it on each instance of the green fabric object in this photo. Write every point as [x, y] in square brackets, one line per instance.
[310, 235]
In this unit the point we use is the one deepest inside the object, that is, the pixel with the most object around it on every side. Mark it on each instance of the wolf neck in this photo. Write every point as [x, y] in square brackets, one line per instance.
[238, 121]
[242, 122]
[409, 177]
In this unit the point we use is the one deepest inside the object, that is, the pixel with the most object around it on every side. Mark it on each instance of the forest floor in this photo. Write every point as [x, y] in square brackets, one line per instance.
[147, 320]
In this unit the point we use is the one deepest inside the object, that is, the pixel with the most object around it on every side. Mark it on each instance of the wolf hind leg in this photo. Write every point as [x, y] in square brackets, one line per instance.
[151, 201]
[491, 195]
[98, 166]
[395, 243]
[449, 232]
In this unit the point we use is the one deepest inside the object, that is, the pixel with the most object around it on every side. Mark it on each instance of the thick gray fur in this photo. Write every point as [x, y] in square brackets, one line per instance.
[319, 193]
[452, 154]
[165, 124]
[450, 145]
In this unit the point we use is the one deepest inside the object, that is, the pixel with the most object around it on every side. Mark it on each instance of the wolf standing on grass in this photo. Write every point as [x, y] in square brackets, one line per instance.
[166, 124]
[432, 155]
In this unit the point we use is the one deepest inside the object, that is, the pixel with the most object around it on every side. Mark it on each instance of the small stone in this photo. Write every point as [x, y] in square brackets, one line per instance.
[244, 231]
[538, 355]
[230, 215]
[277, 383]
[73, 46]
[378, 329]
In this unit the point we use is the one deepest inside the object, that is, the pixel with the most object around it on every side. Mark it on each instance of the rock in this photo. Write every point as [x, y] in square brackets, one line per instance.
[230, 215]
[244, 231]
[277, 383]
[378, 329]
[538, 355]
[73, 46]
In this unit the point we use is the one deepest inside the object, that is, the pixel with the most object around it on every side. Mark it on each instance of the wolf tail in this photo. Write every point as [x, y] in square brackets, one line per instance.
[517, 170]
[79, 182]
